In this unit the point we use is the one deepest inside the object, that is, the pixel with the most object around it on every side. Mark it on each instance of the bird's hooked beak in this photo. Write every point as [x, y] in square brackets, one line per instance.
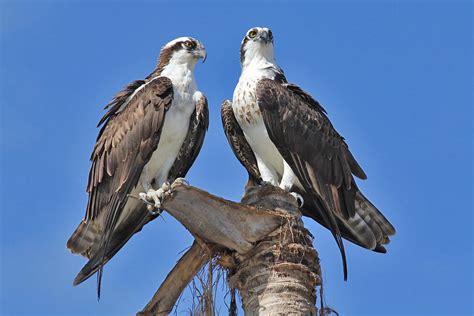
[200, 52]
[263, 37]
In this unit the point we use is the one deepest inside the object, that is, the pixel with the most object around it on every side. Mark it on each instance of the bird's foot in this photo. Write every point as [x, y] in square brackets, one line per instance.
[153, 200]
[299, 199]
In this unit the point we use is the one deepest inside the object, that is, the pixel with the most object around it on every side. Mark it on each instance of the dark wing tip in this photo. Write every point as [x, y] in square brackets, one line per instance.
[343, 254]
[359, 173]
[380, 249]
[86, 272]
[78, 279]
[356, 169]
[83, 275]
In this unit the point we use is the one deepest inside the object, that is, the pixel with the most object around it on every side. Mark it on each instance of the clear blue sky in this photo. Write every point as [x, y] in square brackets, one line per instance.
[395, 77]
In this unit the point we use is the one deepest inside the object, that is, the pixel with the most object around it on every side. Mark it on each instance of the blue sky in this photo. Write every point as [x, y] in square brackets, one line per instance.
[395, 77]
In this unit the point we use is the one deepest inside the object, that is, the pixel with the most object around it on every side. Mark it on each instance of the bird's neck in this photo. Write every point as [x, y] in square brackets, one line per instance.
[257, 55]
[179, 72]
[253, 61]
[260, 66]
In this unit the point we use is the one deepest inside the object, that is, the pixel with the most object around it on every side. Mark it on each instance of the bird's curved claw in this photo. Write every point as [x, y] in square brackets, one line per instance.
[299, 199]
[180, 181]
[152, 211]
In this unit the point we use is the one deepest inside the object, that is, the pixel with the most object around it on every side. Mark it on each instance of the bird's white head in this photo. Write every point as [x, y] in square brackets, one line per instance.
[182, 51]
[257, 46]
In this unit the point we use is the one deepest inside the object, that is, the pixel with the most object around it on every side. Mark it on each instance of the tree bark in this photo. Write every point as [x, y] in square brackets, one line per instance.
[280, 274]
[261, 242]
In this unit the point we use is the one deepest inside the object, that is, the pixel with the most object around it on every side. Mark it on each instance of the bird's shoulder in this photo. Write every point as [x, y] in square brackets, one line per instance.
[139, 119]
[297, 107]
[136, 90]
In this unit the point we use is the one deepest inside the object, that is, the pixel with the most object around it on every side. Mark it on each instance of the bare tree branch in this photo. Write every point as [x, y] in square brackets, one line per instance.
[164, 300]
[219, 221]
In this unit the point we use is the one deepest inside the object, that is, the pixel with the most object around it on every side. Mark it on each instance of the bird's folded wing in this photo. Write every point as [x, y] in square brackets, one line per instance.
[125, 143]
[193, 142]
[302, 133]
[238, 143]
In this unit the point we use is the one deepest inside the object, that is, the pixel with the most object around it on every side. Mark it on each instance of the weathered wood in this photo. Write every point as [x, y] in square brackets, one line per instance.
[280, 274]
[219, 221]
[261, 241]
[164, 300]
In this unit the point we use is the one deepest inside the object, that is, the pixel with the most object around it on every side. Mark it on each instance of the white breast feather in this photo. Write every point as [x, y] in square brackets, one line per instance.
[250, 119]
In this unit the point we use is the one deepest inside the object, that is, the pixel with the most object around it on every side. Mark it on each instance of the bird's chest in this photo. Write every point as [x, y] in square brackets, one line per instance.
[244, 103]
[173, 133]
[183, 94]
[249, 117]
[177, 117]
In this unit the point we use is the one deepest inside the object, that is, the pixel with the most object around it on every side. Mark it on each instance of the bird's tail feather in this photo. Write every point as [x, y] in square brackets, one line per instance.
[83, 239]
[134, 223]
[368, 228]
[378, 224]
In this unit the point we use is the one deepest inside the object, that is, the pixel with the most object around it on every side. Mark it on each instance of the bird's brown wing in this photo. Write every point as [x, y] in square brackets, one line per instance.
[238, 143]
[368, 228]
[192, 144]
[319, 156]
[125, 143]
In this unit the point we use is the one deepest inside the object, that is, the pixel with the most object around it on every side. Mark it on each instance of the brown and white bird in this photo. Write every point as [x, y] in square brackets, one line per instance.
[152, 133]
[283, 137]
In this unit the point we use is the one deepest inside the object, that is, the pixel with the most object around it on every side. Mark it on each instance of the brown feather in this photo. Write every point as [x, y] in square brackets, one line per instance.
[116, 169]
[371, 229]
[299, 127]
[238, 143]
[193, 142]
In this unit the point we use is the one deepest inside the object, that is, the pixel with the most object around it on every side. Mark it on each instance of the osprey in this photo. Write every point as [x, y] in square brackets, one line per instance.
[283, 137]
[152, 133]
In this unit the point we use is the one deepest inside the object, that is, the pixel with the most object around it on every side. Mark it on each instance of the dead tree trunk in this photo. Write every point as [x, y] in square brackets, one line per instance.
[261, 242]
[280, 274]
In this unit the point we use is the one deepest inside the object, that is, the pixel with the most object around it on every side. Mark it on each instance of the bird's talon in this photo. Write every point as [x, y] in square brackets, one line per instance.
[152, 198]
[145, 199]
[299, 199]
[181, 181]
[166, 187]
[151, 210]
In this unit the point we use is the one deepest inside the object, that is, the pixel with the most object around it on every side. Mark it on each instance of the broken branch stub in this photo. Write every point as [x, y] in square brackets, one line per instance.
[261, 242]
[218, 221]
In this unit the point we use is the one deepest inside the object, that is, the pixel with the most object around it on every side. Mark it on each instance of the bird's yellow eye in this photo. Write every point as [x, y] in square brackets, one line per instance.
[188, 44]
[252, 34]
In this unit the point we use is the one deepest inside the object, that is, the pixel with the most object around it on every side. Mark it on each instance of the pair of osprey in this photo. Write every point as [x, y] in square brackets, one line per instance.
[154, 129]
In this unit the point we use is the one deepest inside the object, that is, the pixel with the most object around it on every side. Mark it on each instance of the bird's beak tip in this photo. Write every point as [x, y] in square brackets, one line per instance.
[203, 54]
